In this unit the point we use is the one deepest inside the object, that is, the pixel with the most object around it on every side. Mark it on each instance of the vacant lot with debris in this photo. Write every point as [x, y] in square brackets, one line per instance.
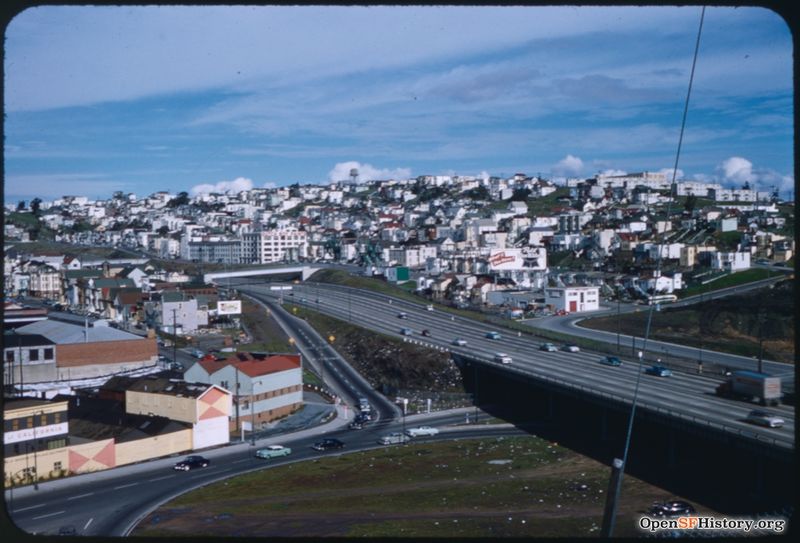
[492, 487]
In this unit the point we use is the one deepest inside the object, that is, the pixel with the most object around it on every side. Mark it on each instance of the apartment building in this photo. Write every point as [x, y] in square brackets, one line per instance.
[277, 245]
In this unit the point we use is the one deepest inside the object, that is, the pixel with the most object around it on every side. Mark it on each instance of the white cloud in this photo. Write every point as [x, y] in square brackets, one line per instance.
[613, 172]
[669, 171]
[366, 172]
[237, 185]
[736, 170]
[568, 166]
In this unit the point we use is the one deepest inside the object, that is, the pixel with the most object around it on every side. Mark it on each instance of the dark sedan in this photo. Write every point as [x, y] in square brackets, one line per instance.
[191, 462]
[327, 444]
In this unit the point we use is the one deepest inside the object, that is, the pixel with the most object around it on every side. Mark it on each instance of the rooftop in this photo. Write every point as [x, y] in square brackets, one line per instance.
[63, 333]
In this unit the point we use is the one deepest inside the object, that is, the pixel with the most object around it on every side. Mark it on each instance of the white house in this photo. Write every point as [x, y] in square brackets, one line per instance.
[573, 299]
[736, 261]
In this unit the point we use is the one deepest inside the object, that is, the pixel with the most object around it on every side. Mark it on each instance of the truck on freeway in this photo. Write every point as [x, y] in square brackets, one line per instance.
[751, 386]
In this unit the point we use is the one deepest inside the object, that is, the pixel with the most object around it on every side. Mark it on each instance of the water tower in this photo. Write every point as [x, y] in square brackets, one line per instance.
[354, 175]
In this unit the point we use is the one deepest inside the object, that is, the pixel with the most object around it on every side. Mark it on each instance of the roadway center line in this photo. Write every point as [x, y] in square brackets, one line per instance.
[49, 515]
[79, 496]
[242, 460]
[125, 486]
[31, 507]
[160, 478]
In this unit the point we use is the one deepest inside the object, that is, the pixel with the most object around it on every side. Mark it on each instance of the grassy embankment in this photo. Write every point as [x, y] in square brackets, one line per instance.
[731, 324]
[417, 490]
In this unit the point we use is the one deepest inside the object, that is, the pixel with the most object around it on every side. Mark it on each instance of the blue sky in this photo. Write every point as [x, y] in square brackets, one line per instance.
[143, 99]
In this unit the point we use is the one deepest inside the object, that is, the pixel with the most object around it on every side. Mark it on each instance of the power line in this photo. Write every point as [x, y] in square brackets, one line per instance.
[618, 469]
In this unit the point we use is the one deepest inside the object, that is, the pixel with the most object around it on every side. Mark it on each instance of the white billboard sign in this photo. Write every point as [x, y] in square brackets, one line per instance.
[506, 259]
[229, 307]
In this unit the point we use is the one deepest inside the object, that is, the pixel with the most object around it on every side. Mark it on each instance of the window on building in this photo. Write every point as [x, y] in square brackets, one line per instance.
[56, 466]
[56, 418]
[29, 422]
[9, 356]
[43, 420]
[33, 354]
[15, 425]
[48, 353]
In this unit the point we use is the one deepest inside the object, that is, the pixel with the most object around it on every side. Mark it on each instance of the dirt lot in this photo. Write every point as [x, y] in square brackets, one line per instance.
[521, 486]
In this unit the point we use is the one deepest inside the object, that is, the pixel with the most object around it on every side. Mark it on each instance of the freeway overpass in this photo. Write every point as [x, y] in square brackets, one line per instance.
[281, 272]
[682, 427]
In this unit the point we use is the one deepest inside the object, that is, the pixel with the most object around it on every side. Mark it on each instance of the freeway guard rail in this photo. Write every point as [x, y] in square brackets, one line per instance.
[677, 363]
[641, 404]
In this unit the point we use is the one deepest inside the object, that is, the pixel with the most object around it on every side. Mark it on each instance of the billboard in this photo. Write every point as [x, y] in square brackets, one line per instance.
[506, 259]
[229, 307]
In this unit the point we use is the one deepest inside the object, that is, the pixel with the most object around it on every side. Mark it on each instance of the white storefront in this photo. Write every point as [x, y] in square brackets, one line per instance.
[573, 299]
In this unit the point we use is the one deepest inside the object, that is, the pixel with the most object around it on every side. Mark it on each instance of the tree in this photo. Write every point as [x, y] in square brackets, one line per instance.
[163, 231]
[35, 203]
[21, 205]
[520, 194]
[181, 199]
[691, 202]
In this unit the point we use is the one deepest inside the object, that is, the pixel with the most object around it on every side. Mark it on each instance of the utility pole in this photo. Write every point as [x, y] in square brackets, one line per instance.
[618, 323]
[236, 395]
[174, 335]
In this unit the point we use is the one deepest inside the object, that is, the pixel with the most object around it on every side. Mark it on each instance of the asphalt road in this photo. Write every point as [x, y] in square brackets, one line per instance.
[687, 396]
[111, 502]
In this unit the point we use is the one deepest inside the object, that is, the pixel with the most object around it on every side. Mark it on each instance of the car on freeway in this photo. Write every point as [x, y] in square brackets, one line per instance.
[494, 335]
[422, 431]
[549, 347]
[402, 315]
[674, 508]
[176, 366]
[327, 444]
[658, 371]
[192, 462]
[460, 342]
[611, 361]
[503, 358]
[356, 425]
[426, 333]
[69, 529]
[430, 307]
[273, 451]
[764, 418]
[394, 438]
[406, 331]
[570, 348]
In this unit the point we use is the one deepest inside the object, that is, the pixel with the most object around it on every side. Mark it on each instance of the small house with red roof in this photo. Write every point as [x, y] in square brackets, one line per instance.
[264, 387]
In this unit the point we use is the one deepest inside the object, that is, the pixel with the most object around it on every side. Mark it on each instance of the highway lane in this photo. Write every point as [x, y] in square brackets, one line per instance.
[570, 325]
[109, 503]
[688, 396]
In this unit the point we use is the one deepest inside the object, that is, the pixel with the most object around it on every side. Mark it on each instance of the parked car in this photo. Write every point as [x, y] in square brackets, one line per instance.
[494, 335]
[675, 508]
[394, 438]
[327, 444]
[402, 315]
[192, 462]
[549, 347]
[197, 353]
[460, 342]
[406, 331]
[273, 451]
[503, 358]
[611, 361]
[426, 333]
[764, 418]
[422, 431]
[571, 348]
[658, 371]
[176, 366]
